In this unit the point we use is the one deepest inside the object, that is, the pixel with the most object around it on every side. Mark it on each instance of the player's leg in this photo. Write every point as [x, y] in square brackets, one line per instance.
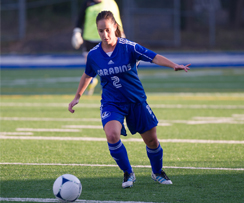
[146, 126]
[91, 86]
[155, 155]
[154, 149]
[118, 151]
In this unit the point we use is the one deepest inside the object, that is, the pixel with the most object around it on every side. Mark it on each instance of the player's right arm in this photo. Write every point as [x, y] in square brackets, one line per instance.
[84, 82]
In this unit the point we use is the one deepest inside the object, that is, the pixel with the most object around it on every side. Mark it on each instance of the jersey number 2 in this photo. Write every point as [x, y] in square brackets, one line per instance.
[116, 82]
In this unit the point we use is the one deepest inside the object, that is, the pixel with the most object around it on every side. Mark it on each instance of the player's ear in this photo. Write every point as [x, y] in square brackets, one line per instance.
[115, 26]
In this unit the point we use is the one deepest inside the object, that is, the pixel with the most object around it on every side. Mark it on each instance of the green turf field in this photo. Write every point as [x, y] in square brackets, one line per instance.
[64, 81]
[201, 129]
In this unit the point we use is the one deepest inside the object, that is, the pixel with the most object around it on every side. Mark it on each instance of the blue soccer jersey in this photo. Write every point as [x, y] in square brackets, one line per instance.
[118, 72]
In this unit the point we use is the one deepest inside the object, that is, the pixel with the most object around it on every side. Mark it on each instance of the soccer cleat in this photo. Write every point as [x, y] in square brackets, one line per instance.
[91, 86]
[162, 178]
[129, 179]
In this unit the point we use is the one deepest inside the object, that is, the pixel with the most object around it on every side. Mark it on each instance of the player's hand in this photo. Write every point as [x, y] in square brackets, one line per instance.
[77, 40]
[182, 67]
[72, 104]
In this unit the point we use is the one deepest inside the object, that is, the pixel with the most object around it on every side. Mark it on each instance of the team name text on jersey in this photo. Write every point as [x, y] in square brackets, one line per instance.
[114, 70]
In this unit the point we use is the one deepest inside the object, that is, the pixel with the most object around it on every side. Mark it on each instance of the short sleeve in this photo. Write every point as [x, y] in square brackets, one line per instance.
[89, 70]
[144, 54]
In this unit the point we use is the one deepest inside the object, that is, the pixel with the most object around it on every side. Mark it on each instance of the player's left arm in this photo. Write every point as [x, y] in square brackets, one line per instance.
[163, 61]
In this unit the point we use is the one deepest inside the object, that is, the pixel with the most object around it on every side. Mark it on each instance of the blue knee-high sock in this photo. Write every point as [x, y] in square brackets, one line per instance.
[156, 158]
[119, 154]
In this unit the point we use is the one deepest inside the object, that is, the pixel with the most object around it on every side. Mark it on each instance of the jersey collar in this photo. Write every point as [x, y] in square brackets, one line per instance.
[114, 51]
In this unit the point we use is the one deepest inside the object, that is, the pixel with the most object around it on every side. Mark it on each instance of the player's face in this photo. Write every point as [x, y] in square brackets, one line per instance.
[106, 29]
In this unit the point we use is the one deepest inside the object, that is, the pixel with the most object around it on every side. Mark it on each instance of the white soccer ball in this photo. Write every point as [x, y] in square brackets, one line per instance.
[67, 188]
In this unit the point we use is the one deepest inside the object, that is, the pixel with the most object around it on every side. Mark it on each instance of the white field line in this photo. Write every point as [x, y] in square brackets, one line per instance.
[52, 138]
[124, 140]
[197, 122]
[182, 106]
[179, 106]
[235, 119]
[100, 126]
[113, 165]
[19, 82]
[164, 124]
[16, 199]
[235, 116]
[197, 94]
[214, 122]
[238, 115]
[48, 119]
[47, 130]
[47, 105]
[16, 133]
[83, 126]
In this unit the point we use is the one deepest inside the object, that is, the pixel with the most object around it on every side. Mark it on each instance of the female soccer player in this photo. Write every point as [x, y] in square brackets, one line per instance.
[115, 60]
[87, 22]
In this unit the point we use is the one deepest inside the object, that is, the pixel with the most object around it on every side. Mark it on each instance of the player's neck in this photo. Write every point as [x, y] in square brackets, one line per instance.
[109, 47]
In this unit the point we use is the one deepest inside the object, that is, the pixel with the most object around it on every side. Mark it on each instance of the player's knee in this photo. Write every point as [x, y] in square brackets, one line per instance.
[152, 143]
[113, 136]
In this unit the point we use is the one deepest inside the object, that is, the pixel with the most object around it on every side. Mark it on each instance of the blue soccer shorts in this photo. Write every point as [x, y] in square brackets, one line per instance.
[139, 116]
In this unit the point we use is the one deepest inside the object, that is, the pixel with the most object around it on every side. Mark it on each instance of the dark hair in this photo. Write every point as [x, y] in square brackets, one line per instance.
[109, 15]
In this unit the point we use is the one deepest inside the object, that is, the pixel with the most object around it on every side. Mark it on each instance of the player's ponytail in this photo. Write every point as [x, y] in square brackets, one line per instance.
[109, 15]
